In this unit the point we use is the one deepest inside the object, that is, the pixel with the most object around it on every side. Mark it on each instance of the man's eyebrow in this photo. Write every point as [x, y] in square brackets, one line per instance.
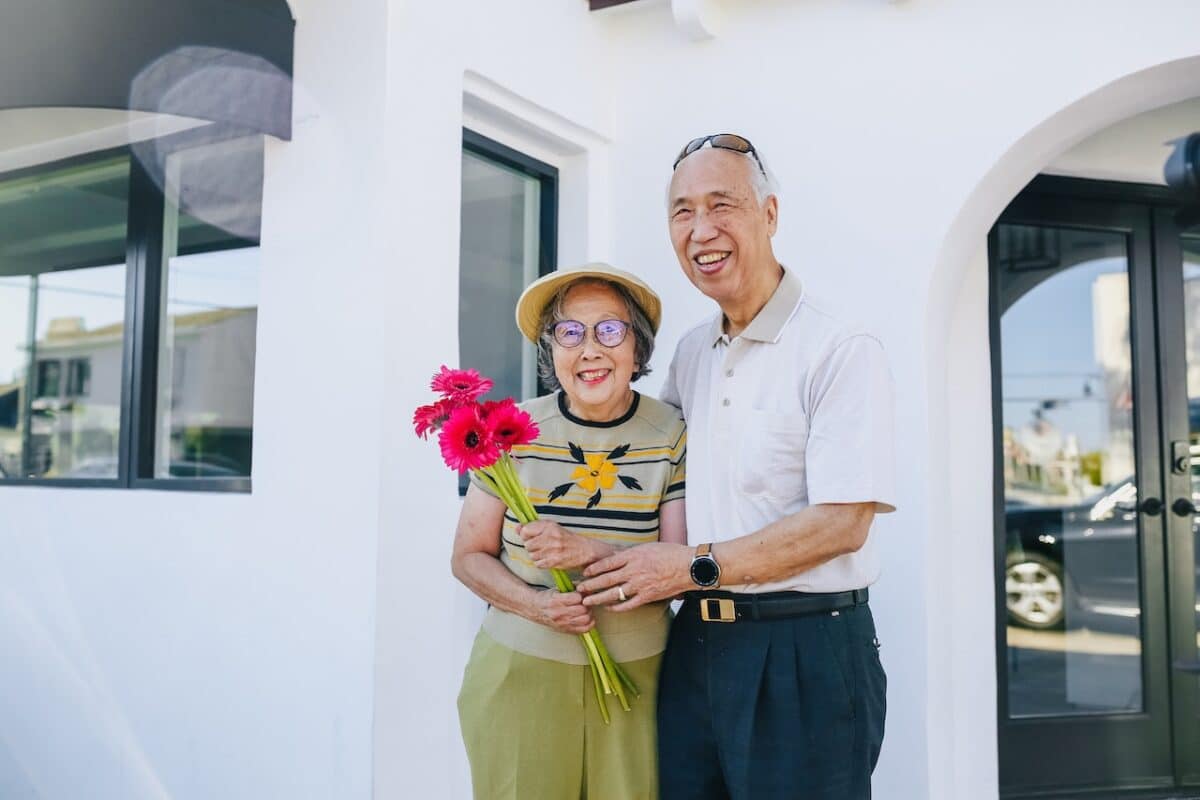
[725, 194]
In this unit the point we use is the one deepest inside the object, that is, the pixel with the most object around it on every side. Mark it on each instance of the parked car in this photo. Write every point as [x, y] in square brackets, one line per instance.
[1085, 555]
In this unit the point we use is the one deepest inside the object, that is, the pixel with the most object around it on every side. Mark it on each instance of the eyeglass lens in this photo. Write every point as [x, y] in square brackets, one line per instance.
[609, 332]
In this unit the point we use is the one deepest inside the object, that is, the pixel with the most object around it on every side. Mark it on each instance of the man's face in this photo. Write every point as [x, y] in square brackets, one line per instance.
[721, 233]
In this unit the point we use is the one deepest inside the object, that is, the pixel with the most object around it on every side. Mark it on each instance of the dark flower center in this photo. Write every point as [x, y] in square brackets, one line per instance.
[472, 439]
[595, 473]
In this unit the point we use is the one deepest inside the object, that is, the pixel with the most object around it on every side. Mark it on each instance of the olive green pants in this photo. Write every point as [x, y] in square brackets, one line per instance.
[533, 729]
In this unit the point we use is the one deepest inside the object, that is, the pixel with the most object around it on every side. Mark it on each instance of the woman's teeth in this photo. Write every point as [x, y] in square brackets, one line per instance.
[594, 375]
[710, 258]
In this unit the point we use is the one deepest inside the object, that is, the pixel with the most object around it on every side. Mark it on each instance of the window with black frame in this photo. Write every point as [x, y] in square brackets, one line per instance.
[508, 238]
[100, 388]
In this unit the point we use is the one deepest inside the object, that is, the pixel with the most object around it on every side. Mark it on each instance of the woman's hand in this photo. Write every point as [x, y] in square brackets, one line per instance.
[565, 613]
[551, 546]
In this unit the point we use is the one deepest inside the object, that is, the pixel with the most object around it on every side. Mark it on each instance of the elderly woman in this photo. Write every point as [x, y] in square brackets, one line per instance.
[606, 472]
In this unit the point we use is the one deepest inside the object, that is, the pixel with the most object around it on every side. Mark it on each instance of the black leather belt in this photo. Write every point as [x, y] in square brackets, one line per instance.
[731, 607]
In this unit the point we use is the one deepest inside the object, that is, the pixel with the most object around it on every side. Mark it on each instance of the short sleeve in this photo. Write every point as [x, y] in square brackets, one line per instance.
[850, 457]
[482, 485]
[677, 482]
[670, 388]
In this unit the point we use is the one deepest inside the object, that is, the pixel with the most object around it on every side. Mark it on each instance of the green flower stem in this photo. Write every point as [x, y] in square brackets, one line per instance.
[608, 677]
[599, 694]
[625, 679]
[621, 676]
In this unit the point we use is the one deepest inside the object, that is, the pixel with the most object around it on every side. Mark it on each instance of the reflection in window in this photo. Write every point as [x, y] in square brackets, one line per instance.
[205, 405]
[62, 303]
[1071, 575]
[499, 254]
[79, 377]
[1191, 298]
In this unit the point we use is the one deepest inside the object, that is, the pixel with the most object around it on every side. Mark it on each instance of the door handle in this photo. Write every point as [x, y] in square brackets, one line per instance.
[1183, 507]
[1188, 666]
[1151, 505]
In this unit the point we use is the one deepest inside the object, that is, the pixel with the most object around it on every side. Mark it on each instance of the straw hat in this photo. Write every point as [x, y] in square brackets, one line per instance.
[537, 294]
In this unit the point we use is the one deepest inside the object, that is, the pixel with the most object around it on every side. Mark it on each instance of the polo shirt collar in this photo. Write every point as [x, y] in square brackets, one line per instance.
[768, 324]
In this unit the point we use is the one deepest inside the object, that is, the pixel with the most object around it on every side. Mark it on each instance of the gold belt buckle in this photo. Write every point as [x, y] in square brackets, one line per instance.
[725, 610]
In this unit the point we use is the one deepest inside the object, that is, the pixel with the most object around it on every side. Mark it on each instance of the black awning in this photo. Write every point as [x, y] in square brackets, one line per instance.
[227, 61]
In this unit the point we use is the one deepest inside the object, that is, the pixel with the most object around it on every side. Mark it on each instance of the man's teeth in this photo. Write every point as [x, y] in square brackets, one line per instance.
[594, 374]
[710, 258]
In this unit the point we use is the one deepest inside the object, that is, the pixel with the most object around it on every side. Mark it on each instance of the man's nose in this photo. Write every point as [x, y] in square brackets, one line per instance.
[702, 228]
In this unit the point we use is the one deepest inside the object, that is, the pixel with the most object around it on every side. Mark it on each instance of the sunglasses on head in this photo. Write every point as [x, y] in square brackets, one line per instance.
[725, 141]
[570, 333]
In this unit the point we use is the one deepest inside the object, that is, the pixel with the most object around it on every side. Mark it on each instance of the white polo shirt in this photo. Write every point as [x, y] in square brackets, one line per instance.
[796, 410]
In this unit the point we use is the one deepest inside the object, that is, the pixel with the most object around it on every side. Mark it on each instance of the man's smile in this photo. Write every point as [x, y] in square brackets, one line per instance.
[711, 261]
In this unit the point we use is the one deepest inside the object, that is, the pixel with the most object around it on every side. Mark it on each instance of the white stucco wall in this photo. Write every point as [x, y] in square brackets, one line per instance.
[307, 640]
[899, 132]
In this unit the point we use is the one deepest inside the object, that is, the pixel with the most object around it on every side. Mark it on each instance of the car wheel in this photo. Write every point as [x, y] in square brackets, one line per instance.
[1035, 591]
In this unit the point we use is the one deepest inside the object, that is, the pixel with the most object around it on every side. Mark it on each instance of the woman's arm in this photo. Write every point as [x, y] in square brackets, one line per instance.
[476, 562]
[672, 522]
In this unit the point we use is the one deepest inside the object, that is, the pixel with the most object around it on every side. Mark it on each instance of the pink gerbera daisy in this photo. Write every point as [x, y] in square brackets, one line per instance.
[510, 426]
[460, 385]
[430, 418]
[466, 441]
[486, 409]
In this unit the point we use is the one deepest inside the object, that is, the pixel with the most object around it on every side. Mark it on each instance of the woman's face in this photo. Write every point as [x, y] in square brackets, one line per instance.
[595, 378]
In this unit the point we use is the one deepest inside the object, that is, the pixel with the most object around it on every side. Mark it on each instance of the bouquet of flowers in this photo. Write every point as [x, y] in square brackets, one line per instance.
[479, 437]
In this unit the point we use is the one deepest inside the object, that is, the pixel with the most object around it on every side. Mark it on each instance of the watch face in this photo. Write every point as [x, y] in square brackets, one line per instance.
[705, 571]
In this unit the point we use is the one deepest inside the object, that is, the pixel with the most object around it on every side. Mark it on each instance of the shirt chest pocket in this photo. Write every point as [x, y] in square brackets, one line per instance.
[770, 455]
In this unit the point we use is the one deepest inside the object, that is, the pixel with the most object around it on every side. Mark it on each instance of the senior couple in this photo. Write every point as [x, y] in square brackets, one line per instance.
[766, 683]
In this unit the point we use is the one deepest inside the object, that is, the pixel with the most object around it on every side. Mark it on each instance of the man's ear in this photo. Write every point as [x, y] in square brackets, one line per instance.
[772, 208]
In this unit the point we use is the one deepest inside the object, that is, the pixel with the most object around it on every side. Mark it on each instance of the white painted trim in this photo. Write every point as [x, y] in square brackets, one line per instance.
[580, 153]
[133, 129]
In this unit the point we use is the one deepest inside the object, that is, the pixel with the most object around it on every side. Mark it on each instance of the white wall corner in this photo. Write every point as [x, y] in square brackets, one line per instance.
[580, 153]
[699, 19]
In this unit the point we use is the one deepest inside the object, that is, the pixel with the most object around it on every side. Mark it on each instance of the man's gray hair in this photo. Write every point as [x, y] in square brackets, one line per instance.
[642, 330]
[762, 179]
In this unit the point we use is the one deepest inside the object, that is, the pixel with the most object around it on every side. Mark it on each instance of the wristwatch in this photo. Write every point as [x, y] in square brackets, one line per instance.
[706, 572]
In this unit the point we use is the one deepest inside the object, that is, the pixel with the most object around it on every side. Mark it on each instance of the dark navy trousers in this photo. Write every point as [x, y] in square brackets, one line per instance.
[766, 710]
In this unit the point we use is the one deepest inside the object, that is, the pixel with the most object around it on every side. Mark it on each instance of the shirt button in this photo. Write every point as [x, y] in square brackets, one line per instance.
[728, 373]
[725, 402]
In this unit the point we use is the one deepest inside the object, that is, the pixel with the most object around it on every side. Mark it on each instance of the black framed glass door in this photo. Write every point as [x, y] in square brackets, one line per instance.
[1088, 446]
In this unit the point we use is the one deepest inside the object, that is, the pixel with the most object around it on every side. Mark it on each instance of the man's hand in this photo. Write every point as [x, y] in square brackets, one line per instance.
[643, 574]
[551, 546]
[562, 612]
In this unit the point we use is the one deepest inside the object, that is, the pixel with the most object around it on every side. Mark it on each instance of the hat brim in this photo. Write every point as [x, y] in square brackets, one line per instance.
[537, 294]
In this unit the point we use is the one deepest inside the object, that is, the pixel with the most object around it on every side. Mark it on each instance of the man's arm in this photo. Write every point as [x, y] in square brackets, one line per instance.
[786, 547]
[848, 458]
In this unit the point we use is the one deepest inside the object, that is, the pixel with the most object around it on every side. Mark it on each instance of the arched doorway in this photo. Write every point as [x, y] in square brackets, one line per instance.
[957, 364]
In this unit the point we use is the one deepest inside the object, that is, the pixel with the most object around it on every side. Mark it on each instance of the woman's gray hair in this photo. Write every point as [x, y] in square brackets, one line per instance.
[643, 331]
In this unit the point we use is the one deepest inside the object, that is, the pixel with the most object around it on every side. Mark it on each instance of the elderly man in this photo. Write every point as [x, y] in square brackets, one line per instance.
[771, 682]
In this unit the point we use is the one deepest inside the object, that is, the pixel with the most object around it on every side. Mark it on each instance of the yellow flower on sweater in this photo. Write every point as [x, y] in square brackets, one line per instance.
[598, 473]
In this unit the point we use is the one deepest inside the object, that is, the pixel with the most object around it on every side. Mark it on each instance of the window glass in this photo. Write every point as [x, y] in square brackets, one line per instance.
[499, 255]
[62, 306]
[1071, 576]
[205, 397]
